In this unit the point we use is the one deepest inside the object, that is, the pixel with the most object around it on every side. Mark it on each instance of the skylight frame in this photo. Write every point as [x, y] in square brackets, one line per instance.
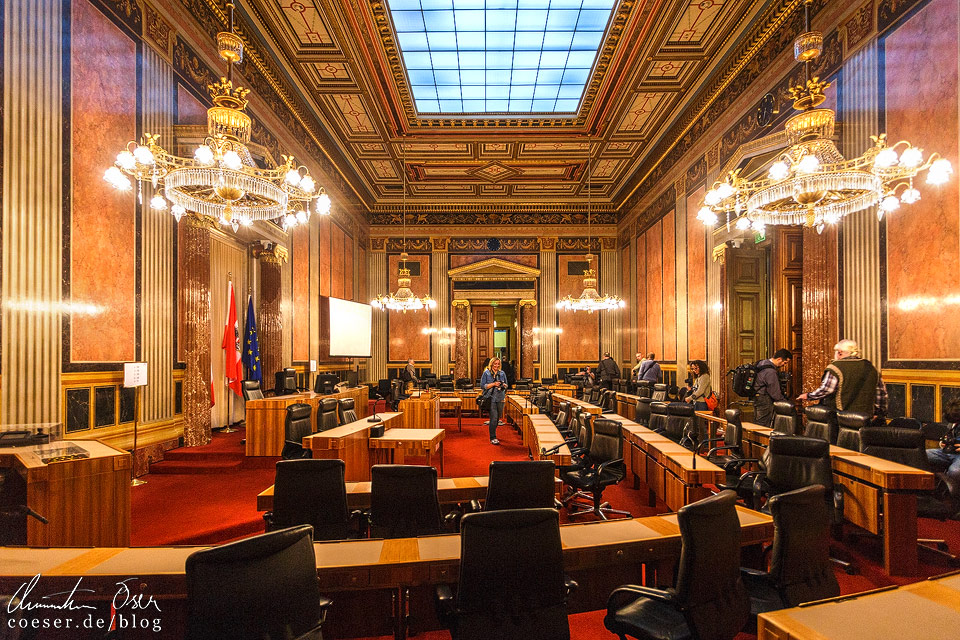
[539, 62]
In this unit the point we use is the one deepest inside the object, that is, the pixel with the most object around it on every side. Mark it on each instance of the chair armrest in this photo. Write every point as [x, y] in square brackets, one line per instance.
[753, 573]
[446, 605]
[838, 503]
[552, 450]
[759, 477]
[268, 521]
[604, 465]
[704, 443]
[569, 585]
[452, 520]
[630, 592]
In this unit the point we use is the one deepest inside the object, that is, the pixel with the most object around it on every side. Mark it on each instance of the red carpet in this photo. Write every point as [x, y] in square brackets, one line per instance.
[207, 495]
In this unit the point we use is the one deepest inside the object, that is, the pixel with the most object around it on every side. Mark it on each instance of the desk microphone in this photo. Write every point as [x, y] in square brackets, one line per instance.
[24, 510]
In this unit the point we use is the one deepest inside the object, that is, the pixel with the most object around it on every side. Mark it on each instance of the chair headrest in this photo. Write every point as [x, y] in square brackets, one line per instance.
[251, 385]
[644, 400]
[606, 427]
[298, 411]
[712, 506]
[346, 403]
[819, 413]
[732, 415]
[658, 407]
[680, 409]
[659, 387]
[799, 446]
[851, 420]
[328, 404]
[906, 423]
[784, 407]
[893, 437]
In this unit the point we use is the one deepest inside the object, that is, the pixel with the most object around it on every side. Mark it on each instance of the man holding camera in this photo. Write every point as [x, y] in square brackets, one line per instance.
[494, 385]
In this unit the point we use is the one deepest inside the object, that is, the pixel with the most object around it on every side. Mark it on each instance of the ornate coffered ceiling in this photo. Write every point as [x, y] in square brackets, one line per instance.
[659, 56]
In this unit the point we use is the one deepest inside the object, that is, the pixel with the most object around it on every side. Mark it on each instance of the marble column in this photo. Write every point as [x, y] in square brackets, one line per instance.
[461, 350]
[548, 307]
[611, 336]
[270, 314]
[439, 317]
[377, 283]
[820, 326]
[195, 303]
[528, 352]
[156, 300]
[859, 112]
[30, 338]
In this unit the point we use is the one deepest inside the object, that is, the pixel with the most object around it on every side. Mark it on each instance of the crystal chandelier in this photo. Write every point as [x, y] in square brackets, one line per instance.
[590, 299]
[404, 299]
[810, 183]
[221, 182]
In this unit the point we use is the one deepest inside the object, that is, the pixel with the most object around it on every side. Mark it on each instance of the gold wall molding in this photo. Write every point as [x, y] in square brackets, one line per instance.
[460, 304]
[528, 303]
[270, 252]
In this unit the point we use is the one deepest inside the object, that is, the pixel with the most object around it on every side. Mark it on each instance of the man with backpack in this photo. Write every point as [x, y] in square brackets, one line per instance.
[767, 386]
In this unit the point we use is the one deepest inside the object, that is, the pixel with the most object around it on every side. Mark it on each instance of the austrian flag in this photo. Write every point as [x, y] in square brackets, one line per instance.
[231, 345]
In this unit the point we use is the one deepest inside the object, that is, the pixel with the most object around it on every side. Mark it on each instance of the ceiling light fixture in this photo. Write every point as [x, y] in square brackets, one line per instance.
[221, 182]
[404, 299]
[590, 299]
[811, 183]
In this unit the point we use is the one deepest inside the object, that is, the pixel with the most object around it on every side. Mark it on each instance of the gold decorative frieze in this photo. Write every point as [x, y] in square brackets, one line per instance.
[270, 252]
[548, 244]
[493, 269]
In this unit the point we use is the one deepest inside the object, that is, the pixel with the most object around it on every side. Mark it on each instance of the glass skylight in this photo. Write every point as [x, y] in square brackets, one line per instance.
[493, 56]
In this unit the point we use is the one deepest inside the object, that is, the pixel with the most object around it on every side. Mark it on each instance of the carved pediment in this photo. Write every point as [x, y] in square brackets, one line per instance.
[494, 269]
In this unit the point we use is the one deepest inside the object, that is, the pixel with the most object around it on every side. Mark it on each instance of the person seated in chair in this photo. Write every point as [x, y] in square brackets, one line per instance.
[946, 458]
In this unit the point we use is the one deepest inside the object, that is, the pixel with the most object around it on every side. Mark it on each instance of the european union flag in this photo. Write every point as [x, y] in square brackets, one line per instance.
[251, 346]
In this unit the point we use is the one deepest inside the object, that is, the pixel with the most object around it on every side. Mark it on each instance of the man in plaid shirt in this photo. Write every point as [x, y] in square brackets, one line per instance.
[851, 383]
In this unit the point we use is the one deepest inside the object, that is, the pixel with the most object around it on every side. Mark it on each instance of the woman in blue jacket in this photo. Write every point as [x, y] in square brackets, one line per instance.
[494, 384]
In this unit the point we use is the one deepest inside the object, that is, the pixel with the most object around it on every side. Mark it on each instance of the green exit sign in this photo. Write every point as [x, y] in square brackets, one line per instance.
[759, 237]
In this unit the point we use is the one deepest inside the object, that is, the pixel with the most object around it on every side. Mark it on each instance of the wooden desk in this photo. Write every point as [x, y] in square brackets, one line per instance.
[350, 443]
[542, 434]
[87, 501]
[411, 442]
[627, 405]
[878, 495]
[468, 398]
[667, 468]
[926, 610]
[265, 418]
[566, 389]
[514, 408]
[420, 412]
[585, 406]
[449, 490]
[713, 424]
[454, 404]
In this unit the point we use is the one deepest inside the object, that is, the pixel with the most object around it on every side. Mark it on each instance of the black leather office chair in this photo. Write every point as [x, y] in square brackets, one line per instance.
[563, 416]
[403, 501]
[327, 414]
[907, 445]
[520, 484]
[346, 411]
[658, 416]
[786, 419]
[680, 423]
[251, 390]
[548, 381]
[800, 569]
[645, 389]
[310, 492]
[511, 582]
[382, 392]
[709, 599]
[729, 455]
[601, 467]
[296, 428]
[610, 402]
[261, 587]
[849, 425]
[642, 411]
[821, 423]
[464, 384]
[428, 380]
[659, 392]
[397, 393]
[445, 385]
[285, 382]
[794, 462]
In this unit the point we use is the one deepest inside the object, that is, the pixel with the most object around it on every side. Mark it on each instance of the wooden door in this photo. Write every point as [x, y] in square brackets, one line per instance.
[788, 300]
[482, 329]
[748, 307]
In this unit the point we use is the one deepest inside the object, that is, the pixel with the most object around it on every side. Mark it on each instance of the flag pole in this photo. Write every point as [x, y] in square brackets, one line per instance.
[228, 428]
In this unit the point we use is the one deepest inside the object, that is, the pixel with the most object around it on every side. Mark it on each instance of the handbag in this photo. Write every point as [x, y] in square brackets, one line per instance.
[712, 400]
[483, 401]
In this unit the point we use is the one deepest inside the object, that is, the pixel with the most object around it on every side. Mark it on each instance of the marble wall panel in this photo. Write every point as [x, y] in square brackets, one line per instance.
[336, 261]
[104, 406]
[696, 279]
[324, 255]
[629, 299]
[405, 330]
[642, 294]
[669, 288]
[103, 241]
[300, 259]
[921, 69]
[78, 410]
[348, 267]
[189, 109]
[364, 293]
[654, 258]
[579, 340]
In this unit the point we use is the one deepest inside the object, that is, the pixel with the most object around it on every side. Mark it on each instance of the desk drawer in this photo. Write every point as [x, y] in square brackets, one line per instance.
[655, 475]
[638, 462]
[861, 503]
[344, 579]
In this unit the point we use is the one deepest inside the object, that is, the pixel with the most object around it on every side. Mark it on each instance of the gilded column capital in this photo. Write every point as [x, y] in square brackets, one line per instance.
[720, 253]
[608, 244]
[460, 304]
[528, 303]
[680, 186]
[270, 252]
[548, 244]
[439, 244]
[378, 245]
[192, 219]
